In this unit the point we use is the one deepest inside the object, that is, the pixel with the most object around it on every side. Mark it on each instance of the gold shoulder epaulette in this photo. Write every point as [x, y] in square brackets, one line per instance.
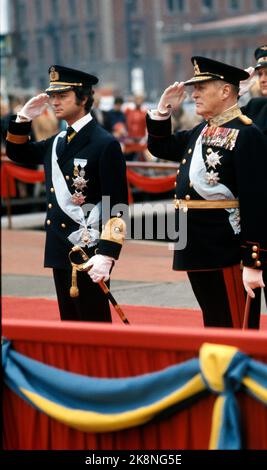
[246, 120]
[114, 230]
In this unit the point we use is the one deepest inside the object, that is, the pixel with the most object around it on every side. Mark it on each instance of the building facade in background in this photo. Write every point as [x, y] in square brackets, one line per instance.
[134, 46]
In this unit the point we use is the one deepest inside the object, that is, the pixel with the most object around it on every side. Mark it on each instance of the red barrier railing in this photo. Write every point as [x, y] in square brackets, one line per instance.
[10, 172]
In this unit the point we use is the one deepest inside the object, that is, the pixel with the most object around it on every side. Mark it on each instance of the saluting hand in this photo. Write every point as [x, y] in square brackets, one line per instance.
[171, 98]
[34, 107]
[252, 278]
[245, 85]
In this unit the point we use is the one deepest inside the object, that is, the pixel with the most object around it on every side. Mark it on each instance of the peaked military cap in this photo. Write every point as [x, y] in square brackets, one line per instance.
[208, 69]
[64, 79]
[261, 57]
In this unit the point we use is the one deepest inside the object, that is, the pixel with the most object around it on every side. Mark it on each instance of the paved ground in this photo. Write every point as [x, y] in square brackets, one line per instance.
[142, 276]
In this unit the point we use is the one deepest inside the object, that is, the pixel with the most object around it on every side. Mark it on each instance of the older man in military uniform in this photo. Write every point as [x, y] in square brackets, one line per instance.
[84, 167]
[221, 185]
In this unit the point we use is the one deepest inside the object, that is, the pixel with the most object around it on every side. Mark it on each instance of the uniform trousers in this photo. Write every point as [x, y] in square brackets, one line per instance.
[91, 304]
[221, 297]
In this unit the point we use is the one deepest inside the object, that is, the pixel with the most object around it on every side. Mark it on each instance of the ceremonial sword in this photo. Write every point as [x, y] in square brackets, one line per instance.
[74, 291]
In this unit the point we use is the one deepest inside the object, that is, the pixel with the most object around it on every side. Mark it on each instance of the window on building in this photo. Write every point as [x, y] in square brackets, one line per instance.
[136, 43]
[72, 8]
[92, 44]
[90, 6]
[177, 67]
[42, 83]
[176, 5]
[21, 14]
[38, 10]
[55, 8]
[74, 44]
[133, 5]
[234, 4]
[56, 48]
[40, 48]
[23, 45]
[207, 5]
[259, 5]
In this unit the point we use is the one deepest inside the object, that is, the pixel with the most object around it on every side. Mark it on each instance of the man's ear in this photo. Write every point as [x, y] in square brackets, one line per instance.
[226, 91]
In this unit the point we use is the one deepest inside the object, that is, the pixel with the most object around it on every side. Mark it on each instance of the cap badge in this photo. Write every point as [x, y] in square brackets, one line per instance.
[196, 68]
[54, 75]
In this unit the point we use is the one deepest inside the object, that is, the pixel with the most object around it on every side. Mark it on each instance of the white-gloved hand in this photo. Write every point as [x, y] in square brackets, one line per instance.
[252, 278]
[245, 85]
[100, 267]
[171, 98]
[34, 107]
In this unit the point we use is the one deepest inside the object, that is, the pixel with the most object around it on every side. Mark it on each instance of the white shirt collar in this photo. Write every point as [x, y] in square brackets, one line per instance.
[78, 125]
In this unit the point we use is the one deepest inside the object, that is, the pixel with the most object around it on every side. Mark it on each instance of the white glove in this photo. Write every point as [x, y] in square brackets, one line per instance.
[245, 85]
[171, 98]
[252, 278]
[34, 107]
[100, 267]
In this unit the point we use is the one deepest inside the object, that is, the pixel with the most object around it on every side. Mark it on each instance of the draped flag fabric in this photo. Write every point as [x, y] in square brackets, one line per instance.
[104, 404]
[11, 172]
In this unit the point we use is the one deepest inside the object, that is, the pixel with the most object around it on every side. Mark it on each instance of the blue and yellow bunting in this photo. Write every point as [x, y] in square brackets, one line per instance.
[105, 405]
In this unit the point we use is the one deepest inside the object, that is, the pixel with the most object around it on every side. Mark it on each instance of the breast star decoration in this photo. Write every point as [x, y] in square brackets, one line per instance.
[213, 159]
[212, 178]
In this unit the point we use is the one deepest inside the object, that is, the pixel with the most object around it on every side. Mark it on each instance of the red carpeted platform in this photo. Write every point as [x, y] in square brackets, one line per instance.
[44, 309]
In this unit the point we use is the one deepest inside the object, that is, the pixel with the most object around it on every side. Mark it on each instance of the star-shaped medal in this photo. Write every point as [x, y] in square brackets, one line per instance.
[79, 182]
[78, 198]
[213, 159]
[212, 178]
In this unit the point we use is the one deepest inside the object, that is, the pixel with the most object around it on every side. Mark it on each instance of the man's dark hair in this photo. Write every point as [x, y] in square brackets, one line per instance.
[82, 93]
[118, 100]
[235, 89]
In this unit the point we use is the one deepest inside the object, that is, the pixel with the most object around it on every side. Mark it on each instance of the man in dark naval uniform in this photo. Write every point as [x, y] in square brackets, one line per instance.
[221, 186]
[256, 108]
[86, 187]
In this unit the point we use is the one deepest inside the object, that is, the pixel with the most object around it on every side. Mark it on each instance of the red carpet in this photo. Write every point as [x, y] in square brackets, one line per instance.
[44, 309]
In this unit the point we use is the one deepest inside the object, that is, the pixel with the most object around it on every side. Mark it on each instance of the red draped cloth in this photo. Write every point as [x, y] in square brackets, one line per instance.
[119, 351]
[149, 184]
[11, 172]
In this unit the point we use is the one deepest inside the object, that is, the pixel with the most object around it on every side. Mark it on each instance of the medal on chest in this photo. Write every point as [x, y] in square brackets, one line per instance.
[80, 184]
[220, 137]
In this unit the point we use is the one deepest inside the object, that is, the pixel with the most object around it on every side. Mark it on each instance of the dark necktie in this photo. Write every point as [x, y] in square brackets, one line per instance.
[70, 134]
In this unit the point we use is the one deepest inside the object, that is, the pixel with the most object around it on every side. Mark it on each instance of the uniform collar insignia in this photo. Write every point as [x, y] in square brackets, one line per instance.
[226, 116]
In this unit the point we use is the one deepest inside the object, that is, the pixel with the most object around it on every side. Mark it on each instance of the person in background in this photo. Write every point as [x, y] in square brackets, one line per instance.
[99, 114]
[85, 186]
[220, 187]
[116, 115]
[256, 109]
[136, 125]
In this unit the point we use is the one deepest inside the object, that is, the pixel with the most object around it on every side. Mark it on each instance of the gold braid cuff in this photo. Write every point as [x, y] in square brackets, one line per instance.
[17, 139]
[114, 230]
[205, 204]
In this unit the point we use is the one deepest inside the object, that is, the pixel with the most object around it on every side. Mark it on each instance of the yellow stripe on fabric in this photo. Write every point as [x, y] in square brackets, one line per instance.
[98, 422]
[214, 360]
[257, 389]
[216, 422]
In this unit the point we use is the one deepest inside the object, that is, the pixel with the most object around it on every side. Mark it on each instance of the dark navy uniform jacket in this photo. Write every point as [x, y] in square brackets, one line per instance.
[105, 171]
[211, 241]
[256, 109]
